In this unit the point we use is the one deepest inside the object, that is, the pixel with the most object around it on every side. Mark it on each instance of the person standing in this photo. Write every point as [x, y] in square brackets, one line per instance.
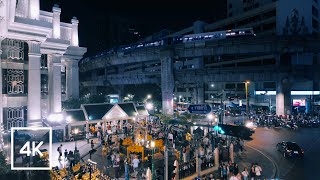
[245, 174]
[258, 171]
[87, 137]
[116, 167]
[233, 177]
[252, 172]
[135, 163]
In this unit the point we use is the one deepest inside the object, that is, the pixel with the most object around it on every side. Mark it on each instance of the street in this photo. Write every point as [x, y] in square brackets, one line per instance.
[265, 140]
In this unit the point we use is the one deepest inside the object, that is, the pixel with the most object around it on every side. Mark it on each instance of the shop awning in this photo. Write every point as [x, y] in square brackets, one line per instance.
[129, 109]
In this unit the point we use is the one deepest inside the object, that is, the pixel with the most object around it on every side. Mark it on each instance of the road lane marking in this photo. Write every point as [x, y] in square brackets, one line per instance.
[275, 165]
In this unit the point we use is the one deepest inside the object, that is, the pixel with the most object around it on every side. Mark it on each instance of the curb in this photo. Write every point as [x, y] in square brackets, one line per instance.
[275, 170]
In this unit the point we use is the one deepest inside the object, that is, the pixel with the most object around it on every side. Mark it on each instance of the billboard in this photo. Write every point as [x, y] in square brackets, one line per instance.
[299, 102]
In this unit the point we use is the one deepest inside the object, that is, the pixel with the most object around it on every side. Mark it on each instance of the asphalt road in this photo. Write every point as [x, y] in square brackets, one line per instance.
[265, 140]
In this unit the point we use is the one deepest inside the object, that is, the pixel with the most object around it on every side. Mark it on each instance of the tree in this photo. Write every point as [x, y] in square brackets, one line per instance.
[72, 103]
[4, 167]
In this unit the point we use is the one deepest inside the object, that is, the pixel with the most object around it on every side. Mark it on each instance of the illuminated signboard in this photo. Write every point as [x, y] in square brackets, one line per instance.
[299, 102]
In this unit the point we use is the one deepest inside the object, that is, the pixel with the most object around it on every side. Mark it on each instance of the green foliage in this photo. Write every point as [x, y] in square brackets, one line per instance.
[165, 118]
[73, 103]
[4, 167]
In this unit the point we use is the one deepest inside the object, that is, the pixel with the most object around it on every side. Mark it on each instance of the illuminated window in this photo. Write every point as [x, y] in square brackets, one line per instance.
[15, 49]
[15, 117]
[15, 81]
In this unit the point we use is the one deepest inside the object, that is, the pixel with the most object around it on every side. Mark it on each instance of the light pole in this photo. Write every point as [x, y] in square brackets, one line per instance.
[76, 131]
[247, 99]
[152, 147]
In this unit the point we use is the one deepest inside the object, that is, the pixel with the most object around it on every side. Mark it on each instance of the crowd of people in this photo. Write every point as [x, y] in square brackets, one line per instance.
[201, 145]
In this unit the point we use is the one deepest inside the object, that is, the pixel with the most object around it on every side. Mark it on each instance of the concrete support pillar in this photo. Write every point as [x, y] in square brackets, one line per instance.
[34, 9]
[308, 105]
[72, 79]
[251, 91]
[34, 83]
[216, 157]
[283, 96]
[87, 127]
[104, 127]
[167, 82]
[69, 130]
[74, 32]
[121, 92]
[231, 154]
[56, 21]
[200, 94]
[54, 82]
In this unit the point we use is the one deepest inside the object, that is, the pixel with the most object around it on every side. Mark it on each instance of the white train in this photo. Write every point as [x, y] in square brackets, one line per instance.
[217, 35]
[188, 38]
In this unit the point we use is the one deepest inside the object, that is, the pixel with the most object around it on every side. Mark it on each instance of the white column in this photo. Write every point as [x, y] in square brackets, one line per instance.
[34, 9]
[74, 33]
[12, 9]
[34, 83]
[283, 96]
[56, 22]
[72, 79]
[167, 82]
[4, 16]
[1, 110]
[54, 77]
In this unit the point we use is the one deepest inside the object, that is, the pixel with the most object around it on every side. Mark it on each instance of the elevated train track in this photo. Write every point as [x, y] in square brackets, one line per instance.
[239, 46]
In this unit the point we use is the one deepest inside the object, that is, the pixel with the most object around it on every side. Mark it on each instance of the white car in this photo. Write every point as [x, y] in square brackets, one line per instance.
[251, 125]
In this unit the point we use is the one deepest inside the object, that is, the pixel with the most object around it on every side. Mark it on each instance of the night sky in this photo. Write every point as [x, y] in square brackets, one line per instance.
[147, 17]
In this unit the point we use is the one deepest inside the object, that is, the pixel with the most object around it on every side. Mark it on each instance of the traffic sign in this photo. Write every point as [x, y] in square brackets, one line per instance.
[199, 108]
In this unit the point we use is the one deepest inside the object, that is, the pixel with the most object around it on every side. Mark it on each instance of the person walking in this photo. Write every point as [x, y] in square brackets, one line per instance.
[92, 144]
[60, 151]
[65, 154]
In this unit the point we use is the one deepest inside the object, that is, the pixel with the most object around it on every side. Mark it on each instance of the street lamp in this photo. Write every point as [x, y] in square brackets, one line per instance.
[149, 96]
[152, 147]
[76, 131]
[247, 99]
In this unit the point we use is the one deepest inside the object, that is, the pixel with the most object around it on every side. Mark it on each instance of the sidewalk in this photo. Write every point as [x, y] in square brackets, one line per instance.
[82, 146]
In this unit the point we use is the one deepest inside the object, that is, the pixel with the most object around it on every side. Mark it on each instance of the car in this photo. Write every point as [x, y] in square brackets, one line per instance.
[290, 149]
